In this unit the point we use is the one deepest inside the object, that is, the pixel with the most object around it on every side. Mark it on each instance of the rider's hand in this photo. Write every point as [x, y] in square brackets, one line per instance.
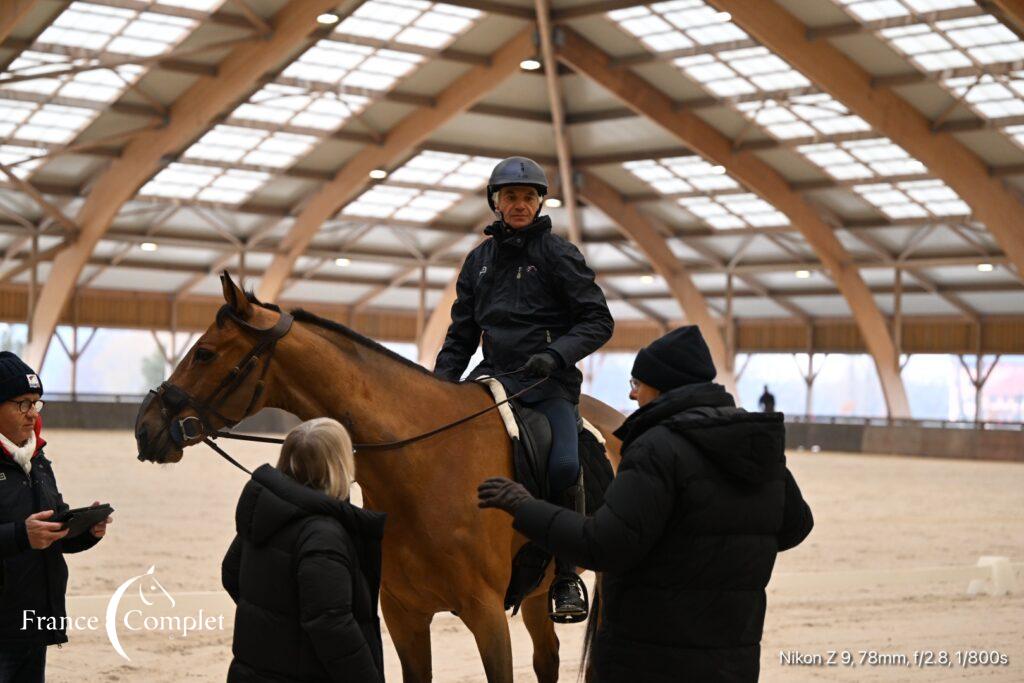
[42, 534]
[541, 364]
[502, 493]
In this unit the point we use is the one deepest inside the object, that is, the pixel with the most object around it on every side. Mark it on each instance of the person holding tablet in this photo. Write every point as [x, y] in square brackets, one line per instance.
[33, 573]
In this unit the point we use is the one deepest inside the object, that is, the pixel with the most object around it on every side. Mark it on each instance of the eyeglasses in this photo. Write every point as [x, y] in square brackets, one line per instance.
[633, 384]
[26, 404]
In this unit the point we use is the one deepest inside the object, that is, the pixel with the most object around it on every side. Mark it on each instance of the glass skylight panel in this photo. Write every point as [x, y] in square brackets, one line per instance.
[446, 170]
[17, 159]
[855, 159]
[98, 85]
[718, 200]
[101, 28]
[427, 24]
[253, 146]
[956, 43]
[741, 72]
[914, 199]
[52, 123]
[1017, 133]
[296, 106]
[991, 96]
[207, 183]
[677, 25]
[401, 203]
[875, 10]
[803, 116]
[340, 63]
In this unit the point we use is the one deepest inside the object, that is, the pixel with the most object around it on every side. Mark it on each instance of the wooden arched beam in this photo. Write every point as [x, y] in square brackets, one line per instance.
[189, 116]
[888, 113]
[13, 12]
[761, 178]
[1013, 11]
[406, 135]
[638, 228]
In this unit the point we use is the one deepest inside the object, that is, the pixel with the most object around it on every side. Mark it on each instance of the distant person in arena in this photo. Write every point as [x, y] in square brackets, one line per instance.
[33, 573]
[534, 301]
[687, 537]
[767, 401]
[304, 568]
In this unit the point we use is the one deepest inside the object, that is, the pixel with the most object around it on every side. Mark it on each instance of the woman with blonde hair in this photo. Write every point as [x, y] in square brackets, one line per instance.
[304, 567]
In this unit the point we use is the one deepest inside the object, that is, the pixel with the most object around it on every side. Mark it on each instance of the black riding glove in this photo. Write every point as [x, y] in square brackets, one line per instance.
[502, 493]
[541, 364]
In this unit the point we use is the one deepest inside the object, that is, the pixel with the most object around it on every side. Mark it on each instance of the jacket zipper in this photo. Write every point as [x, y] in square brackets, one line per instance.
[519, 273]
[547, 333]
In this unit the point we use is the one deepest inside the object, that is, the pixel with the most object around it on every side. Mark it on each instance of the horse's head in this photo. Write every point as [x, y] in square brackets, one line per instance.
[223, 378]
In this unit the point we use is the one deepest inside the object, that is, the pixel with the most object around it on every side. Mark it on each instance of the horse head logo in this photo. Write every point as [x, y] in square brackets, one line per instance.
[150, 590]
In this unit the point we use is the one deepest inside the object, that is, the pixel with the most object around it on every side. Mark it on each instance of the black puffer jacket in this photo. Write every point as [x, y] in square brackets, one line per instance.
[304, 571]
[687, 538]
[32, 579]
[526, 291]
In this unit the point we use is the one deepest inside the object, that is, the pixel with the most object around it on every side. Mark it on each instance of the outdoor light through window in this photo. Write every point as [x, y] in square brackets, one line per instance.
[531, 64]
[378, 174]
[342, 262]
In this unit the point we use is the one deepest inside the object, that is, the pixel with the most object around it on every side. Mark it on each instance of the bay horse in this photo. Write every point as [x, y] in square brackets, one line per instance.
[441, 552]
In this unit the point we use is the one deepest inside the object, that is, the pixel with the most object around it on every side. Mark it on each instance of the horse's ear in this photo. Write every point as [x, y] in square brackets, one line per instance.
[235, 297]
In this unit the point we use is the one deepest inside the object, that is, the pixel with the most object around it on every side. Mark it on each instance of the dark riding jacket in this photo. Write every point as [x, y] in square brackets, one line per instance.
[687, 539]
[304, 571]
[32, 579]
[524, 292]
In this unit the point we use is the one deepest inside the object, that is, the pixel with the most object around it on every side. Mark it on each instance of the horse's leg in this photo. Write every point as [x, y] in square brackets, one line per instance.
[542, 633]
[410, 632]
[486, 620]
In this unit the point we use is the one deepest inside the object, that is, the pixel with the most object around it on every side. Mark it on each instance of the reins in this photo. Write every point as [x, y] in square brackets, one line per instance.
[384, 446]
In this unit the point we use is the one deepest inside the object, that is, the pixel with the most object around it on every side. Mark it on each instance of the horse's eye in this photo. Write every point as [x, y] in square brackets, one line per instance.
[204, 355]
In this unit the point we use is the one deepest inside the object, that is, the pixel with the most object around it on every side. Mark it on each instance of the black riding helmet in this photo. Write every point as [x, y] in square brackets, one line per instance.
[516, 171]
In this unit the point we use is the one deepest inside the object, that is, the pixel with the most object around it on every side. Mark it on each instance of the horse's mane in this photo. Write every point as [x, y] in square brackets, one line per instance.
[305, 316]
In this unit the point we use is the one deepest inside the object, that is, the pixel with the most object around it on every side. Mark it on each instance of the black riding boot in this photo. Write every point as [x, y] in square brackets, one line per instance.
[567, 597]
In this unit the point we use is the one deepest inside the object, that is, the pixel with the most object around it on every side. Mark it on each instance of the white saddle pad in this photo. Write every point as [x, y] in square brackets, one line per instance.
[505, 410]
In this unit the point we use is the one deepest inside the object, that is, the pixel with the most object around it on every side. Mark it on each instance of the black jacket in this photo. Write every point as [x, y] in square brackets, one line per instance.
[687, 538]
[304, 571]
[32, 579]
[526, 291]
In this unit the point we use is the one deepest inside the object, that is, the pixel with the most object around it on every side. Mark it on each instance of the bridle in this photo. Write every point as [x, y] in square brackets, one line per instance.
[174, 400]
[195, 428]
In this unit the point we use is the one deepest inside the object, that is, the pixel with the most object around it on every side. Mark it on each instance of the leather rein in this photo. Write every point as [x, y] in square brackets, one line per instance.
[195, 428]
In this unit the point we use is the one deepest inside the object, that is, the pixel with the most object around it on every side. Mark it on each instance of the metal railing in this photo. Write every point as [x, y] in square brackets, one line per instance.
[80, 397]
[905, 422]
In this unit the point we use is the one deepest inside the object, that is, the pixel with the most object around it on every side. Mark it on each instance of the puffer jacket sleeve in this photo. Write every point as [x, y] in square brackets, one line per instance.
[230, 568]
[82, 541]
[797, 520]
[592, 323]
[637, 506]
[13, 539]
[463, 335]
[326, 568]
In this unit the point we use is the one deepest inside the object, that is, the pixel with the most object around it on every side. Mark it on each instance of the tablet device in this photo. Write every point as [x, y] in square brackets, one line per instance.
[78, 520]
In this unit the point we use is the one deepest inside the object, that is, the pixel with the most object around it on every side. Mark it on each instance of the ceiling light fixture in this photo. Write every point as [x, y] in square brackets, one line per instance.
[531, 64]
[342, 262]
[328, 19]
[723, 17]
[148, 246]
[647, 279]
[378, 174]
[986, 267]
[803, 274]
[553, 202]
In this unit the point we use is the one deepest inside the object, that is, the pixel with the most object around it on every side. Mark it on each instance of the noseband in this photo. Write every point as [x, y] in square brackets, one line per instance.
[174, 400]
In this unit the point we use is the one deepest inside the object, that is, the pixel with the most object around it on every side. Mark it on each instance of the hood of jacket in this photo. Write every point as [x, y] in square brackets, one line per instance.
[746, 446]
[508, 237]
[272, 499]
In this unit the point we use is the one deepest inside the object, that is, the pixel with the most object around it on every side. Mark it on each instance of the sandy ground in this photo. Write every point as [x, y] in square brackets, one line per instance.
[872, 513]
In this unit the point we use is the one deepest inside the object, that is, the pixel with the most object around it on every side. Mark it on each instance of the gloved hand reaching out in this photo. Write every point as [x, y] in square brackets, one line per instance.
[502, 493]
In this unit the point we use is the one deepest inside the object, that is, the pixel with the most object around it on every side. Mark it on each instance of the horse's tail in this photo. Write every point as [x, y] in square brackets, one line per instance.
[588, 638]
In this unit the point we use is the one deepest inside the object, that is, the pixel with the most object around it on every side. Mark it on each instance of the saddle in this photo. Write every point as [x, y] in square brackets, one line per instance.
[530, 433]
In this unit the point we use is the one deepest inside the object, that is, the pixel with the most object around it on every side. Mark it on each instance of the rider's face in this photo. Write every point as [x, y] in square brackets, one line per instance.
[518, 205]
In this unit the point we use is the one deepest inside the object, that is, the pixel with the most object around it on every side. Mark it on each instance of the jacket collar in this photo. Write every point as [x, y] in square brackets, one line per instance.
[507, 237]
[669, 404]
[39, 440]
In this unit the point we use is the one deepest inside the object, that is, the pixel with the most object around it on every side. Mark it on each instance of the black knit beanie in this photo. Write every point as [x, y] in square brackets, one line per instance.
[680, 357]
[16, 378]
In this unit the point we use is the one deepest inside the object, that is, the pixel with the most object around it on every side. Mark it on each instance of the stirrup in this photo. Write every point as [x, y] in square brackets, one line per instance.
[574, 617]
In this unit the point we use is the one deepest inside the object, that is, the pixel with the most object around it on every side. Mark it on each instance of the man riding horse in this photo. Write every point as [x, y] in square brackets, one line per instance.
[532, 297]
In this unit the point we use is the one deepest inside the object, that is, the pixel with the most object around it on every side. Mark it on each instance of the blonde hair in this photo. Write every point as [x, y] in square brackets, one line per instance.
[318, 454]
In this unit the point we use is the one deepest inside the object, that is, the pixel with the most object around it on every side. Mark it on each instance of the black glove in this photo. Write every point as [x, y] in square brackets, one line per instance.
[541, 364]
[502, 493]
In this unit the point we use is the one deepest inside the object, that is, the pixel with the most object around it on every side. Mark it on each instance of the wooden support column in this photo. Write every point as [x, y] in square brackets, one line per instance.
[191, 113]
[637, 227]
[761, 178]
[406, 135]
[838, 75]
[436, 327]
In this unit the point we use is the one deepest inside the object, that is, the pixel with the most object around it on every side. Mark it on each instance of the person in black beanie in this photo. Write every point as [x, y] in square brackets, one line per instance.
[701, 504]
[33, 573]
